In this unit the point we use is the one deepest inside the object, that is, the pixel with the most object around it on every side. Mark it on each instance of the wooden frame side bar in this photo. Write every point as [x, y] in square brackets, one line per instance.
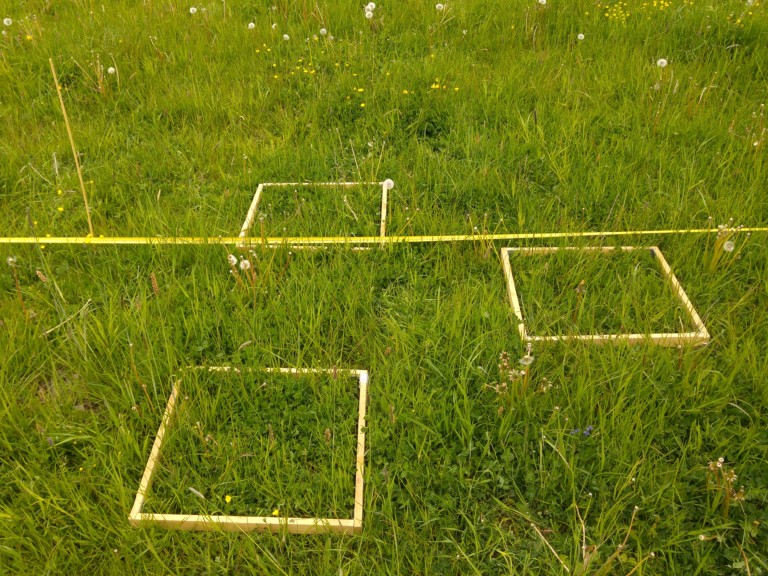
[200, 522]
[384, 200]
[149, 470]
[512, 292]
[672, 279]
[360, 457]
[251, 215]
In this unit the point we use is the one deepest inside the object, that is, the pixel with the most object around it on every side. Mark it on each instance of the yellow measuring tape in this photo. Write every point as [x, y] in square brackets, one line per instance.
[348, 240]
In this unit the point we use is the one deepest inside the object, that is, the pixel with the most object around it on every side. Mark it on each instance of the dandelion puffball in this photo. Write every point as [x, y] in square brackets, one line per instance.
[728, 245]
[439, 7]
[251, 26]
[661, 62]
[580, 36]
[111, 70]
[11, 261]
[274, 26]
[543, 2]
[368, 14]
[232, 260]
[389, 183]
[286, 37]
[323, 31]
[193, 10]
[245, 265]
[370, 7]
[7, 21]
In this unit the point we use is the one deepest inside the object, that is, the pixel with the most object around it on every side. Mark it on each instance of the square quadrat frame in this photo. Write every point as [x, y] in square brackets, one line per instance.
[353, 525]
[251, 214]
[698, 337]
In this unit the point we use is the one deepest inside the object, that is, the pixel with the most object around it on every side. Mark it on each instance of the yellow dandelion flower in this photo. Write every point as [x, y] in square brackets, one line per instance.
[405, 91]
[59, 192]
[362, 104]
[360, 89]
[276, 512]
[29, 37]
[60, 208]
[228, 498]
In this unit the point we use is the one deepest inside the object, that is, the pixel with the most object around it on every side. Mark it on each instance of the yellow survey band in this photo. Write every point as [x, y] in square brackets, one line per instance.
[349, 240]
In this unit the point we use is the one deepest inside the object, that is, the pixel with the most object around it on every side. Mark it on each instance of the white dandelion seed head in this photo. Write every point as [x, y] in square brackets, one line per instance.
[7, 21]
[323, 31]
[389, 183]
[580, 36]
[662, 62]
[251, 25]
[543, 2]
[245, 264]
[111, 70]
[728, 245]
[274, 26]
[193, 10]
[286, 37]
[526, 360]
[232, 260]
[368, 14]
[370, 7]
[439, 7]
[11, 260]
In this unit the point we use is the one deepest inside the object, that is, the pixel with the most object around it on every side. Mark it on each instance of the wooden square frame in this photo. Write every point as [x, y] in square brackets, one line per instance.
[699, 337]
[251, 215]
[353, 525]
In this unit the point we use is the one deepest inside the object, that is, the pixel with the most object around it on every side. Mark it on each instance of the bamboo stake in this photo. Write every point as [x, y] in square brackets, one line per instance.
[74, 150]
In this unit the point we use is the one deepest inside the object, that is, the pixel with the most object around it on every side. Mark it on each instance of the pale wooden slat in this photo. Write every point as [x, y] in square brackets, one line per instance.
[149, 470]
[245, 523]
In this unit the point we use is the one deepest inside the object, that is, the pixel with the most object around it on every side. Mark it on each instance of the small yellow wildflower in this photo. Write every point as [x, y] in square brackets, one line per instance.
[360, 89]
[60, 208]
[276, 512]
[29, 37]
[59, 192]
[228, 498]
[362, 104]
[405, 91]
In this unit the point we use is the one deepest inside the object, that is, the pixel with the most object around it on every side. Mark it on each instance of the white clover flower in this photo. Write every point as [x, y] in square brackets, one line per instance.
[580, 36]
[111, 70]
[286, 37]
[232, 260]
[368, 14]
[245, 265]
[323, 31]
[662, 62]
[728, 245]
[7, 21]
[193, 10]
[251, 25]
[439, 7]
[389, 183]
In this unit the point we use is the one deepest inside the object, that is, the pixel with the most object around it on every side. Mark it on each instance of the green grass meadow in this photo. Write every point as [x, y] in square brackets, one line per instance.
[490, 117]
